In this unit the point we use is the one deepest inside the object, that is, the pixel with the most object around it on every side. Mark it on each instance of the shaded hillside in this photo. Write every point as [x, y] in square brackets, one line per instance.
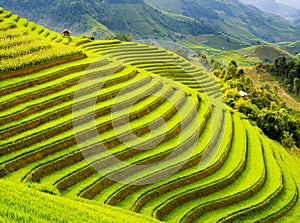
[131, 17]
[234, 19]
[274, 7]
[100, 18]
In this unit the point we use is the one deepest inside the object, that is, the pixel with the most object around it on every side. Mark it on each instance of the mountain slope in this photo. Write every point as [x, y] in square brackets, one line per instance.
[271, 6]
[132, 17]
[234, 18]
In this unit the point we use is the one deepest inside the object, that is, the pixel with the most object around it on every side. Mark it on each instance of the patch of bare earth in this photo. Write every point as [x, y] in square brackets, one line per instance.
[262, 78]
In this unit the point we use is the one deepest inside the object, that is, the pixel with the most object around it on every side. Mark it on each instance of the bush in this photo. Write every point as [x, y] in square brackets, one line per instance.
[44, 188]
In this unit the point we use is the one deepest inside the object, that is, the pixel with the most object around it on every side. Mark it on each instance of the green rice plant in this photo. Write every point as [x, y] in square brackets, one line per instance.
[285, 201]
[23, 112]
[53, 36]
[9, 33]
[28, 60]
[107, 91]
[116, 192]
[127, 189]
[92, 179]
[31, 26]
[87, 171]
[290, 212]
[168, 134]
[97, 43]
[270, 191]
[14, 18]
[56, 85]
[21, 204]
[38, 30]
[30, 125]
[24, 173]
[136, 196]
[20, 50]
[172, 196]
[6, 14]
[237, 155]
[7, 43]
[130, 60]
[251, 181]
[121, 51]
[82, 41]
[51, 102]
[147, 56]
[21, 160]
[5, 26]
[140, 109]
[47, 75]
[23, 22]
[34, 122]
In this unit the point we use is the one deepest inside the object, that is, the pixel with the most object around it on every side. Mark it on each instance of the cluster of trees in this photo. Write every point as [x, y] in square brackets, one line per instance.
[120, 36]
[261, 106]
[288, 72]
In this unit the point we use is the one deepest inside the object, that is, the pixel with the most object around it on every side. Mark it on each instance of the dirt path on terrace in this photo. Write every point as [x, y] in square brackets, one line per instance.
[259, 80]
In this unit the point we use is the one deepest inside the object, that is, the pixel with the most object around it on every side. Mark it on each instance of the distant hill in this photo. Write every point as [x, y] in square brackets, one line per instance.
[99, 18]
[272, 6]
[164, 19]
[242, 21]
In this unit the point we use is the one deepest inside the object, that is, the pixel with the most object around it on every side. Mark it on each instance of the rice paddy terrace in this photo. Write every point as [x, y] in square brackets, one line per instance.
[107, 123]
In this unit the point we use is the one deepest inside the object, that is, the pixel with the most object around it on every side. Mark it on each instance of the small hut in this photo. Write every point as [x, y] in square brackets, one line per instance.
[244, 94]
[66, 33]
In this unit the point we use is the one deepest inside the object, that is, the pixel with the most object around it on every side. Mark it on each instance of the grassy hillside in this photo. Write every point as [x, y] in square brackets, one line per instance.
[249, 55]
[20, 204]
[137, 127]
[293, 48]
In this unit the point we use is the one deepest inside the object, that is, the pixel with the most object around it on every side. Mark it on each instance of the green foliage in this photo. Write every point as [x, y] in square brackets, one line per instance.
[287, 140]
[288, 72]
[44, 188]
[262, 107]
[121, 36]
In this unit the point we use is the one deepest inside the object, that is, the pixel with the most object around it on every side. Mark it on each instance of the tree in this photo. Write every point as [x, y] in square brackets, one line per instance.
[271, 123]
[287, 140]
[240, 73]
[296, 85]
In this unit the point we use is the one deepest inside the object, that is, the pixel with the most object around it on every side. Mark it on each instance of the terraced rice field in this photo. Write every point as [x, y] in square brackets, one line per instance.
[140, 128]
[19, 49]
